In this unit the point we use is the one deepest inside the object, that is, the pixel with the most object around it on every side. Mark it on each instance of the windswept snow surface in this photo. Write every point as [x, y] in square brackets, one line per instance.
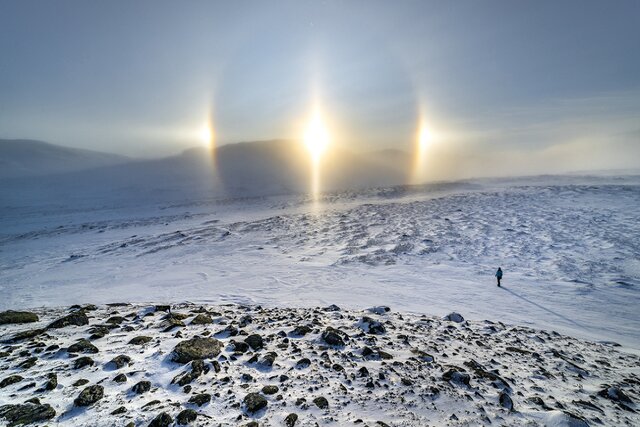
[569, 247]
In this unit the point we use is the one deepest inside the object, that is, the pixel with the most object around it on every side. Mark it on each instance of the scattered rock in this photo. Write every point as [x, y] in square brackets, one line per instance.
[372, 326]
[162, 420]
[83, 362]
[379, 310]
[120, 361]
[141, 387]
[196, 348]
[321, 402]
[12, 379]
[52, 381]
[28, 413]
[140, 340]
[82, 346]
[202, 319]
[14, 317]
[120, 378]
[290, 420]
[254, 341]
[270, 389]
[77, 318]
[301, 331]
[615, 394]
[200, 399]
[89, 395]
[120, 410]
[505, 401]
[254, 402]
[332, 337]
[186, 416]
[454, 317]
[456, 376]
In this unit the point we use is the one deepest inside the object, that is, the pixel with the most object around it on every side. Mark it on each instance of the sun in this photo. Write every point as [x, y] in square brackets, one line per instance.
[316, 137]
[424, 139]
[206, 135]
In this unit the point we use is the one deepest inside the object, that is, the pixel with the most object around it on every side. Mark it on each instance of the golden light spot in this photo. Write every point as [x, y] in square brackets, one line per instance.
[206, 135]
[316, 137]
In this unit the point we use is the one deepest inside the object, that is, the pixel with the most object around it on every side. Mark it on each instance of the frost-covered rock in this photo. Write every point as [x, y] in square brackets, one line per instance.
[196, 348]
[454, 317]
[382, 309]
[28, 413]
[77, 318]
[14, 317]
[89, 395]
[254, 402]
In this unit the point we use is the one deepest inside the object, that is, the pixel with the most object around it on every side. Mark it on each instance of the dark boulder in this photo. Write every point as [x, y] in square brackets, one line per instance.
[196, 348]
[186, 416]
[28, 413]
[141, 387]
[254, 341]
[162, 420]
[77, 318]
[15, 317]
[82, 346]
[254, 402]
[321, 402]
[89, 395]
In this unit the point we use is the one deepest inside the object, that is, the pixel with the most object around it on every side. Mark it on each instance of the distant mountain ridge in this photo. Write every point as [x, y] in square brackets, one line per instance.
[26, 157]
[38, 172]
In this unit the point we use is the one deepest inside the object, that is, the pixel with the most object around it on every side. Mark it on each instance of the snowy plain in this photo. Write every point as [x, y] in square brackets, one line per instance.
[568, 245]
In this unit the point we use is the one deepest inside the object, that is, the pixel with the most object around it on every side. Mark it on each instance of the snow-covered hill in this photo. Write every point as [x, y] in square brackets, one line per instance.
[231, 365]
[567, 245]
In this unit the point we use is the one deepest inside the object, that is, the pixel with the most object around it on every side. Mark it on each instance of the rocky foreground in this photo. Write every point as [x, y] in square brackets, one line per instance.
[234, 365]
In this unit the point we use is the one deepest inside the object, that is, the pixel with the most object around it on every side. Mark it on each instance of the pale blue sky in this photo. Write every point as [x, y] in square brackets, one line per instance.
[138, 77]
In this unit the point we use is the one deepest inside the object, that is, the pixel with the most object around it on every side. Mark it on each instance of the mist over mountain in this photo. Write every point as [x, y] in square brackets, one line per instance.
[51, 174]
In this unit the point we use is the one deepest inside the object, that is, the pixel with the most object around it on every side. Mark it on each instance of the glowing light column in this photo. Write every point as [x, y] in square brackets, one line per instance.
[316, 139]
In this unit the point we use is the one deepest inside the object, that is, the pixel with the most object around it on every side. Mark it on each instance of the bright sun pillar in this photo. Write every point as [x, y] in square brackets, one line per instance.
[316, 138]
[206, 135]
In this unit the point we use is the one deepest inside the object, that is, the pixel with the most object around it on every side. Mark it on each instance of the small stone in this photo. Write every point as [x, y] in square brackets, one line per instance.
[270, 389]
[89, 395]
[119, 410]
[141, 387]
[321, 402]
[52, 382]
[82, 362]
[332, 337]
[505, 401]
[78, 318]
[254, 402]
[202, 319]
[196, 348]
[303, 363]
[454, 317]
[16, 317]
[186, 416]
[200, 399]
[80, 382]
[139, 340]
[290, 420]
[120, 361]
[120, 378]
[254, 341]
[301, 330]
[82, 346]
[28, 413]
[162, 420]
[12, 379]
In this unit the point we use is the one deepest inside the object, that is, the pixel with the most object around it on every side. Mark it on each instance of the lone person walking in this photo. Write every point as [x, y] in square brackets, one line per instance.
[499, 275]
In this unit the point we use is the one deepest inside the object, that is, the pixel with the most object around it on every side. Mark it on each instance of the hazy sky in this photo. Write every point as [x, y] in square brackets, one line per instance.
[489, 77]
